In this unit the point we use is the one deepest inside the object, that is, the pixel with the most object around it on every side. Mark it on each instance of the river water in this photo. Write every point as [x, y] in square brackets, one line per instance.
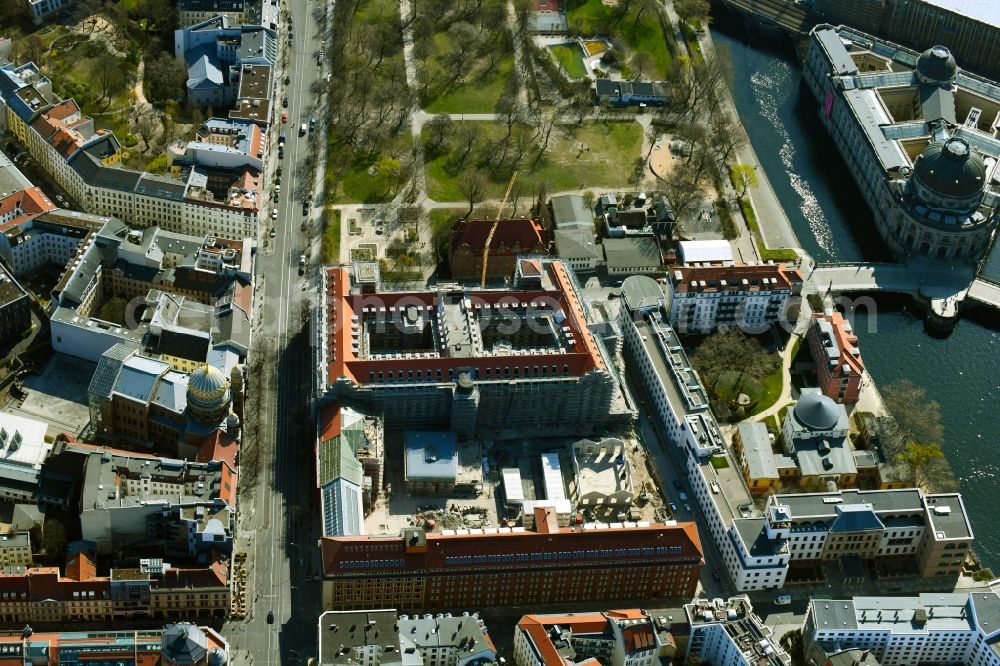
[832, 222]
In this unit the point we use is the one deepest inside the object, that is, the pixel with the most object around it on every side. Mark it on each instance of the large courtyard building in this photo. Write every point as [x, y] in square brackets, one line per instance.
[511, 565]
[930, 628]
[630, 637]
[920, 136]
[468, 359]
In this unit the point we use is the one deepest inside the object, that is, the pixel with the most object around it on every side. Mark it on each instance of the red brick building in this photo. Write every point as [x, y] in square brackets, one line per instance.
[834, 347]
[511, 566]
[512, 237]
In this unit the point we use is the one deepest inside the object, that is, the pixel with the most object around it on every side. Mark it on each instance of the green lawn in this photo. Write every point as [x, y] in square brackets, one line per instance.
[331, 236]
[612, 147]
[570, 56]
[593, 17]
[478, 93]
[719, 462]
[762, 393]
[766, 253]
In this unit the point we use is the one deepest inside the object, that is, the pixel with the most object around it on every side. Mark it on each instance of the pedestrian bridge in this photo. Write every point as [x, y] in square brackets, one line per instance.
[942, 287]
[784, 14]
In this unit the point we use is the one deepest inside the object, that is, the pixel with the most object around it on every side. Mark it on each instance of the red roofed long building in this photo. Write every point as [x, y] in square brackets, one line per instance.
[834, 347]
[468, 359]
[512, 237]
[511, 566]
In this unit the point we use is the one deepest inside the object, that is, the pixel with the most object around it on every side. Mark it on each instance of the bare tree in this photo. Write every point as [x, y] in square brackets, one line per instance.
[691, 9]
[439, 130]
[110, 76]
[144, 125]
[473, 186]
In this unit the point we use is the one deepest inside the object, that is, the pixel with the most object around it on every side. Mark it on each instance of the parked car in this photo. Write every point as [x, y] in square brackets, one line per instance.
[284, 103]
[687, 507]
[303, 129]
[288, 80]
[284, 116]
[683, 496]
[673, 508]
[783, 600]
[270, 617]
[278, 171]
[273, 232]
[274, 213]
[312, 123]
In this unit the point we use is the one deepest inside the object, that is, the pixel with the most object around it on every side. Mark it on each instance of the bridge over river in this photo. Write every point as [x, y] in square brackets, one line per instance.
[941, 287]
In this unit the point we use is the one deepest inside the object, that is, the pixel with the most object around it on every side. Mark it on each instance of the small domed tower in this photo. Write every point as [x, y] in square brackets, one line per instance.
[208, 396]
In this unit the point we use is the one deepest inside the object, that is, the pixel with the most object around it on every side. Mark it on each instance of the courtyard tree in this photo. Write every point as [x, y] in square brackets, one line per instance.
[641, 62]
[144, 125]
[919, 458]
[472, 185]
[110, 75]
[727, 359]
[684, 189]
[164, 78]
[744, 176]
[389, 176]
[915, 418]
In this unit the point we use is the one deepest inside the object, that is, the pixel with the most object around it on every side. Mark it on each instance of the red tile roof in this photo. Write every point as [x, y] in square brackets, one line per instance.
[845, 340]
[30, 202]
[329, 421]
[218, 446]
[733, 276]
[521, 232]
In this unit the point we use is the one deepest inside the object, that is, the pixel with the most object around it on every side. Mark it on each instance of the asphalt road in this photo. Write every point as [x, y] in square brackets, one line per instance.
[279, 524]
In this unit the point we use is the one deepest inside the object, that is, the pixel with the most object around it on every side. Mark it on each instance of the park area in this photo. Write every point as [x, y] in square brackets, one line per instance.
[635, 24]
[464, 55]
[592, 154]
[570, 57]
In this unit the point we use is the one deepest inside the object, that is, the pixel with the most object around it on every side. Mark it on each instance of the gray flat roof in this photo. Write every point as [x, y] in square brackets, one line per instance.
[757, 450]
[632, 252]
[430, 455]
[840, 60]
[952, 520]
[641, 291]
[754, 537]
[942, 612]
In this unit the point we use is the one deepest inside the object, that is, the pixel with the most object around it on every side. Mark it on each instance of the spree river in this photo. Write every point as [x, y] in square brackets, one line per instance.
[832, 222]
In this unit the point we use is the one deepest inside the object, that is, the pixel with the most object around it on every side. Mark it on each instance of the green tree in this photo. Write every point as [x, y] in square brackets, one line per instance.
[792, 642]
[388, 177]
[731, 351]
[113, 310]
[915, 418]
[473, 185]
[164, 79]
[919, 457]
[744, 176]
[692, 9]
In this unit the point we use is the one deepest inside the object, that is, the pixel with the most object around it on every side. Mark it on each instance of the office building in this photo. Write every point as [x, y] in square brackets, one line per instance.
[23, 451]
[930, 628]
[419, 570]
[350, 463]
[834, 348]
[728, 633]
[215, 52]
[177, 644]
[139, 267]
[610, 638]
[918, 135]
[750, 298]
[468, 359]
[384, 638]
[930, 534]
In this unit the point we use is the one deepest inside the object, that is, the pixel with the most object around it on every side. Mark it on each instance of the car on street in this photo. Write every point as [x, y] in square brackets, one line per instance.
[312, 123]
[277, 196]
[284, 116]
[302, 264]
[687, 507]
[273, 232]
[278, 171]
[783, 600]
[683, 495]
[677, 484]
[284, 103]
[303, 128]
[270, 617]
[288, 80]
[673, 508]
[274, 213]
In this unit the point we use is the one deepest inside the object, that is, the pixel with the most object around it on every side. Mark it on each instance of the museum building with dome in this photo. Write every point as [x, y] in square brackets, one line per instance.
[920, 136]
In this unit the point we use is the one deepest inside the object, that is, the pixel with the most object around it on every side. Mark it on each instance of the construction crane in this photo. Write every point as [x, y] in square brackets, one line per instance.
[493, 229]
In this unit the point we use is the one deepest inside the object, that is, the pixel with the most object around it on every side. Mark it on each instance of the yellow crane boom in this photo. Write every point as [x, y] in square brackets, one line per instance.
[493, 229]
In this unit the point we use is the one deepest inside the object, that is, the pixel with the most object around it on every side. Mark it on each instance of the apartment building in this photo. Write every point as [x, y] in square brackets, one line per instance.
[15, 549]
[511, 566]
[385, 638]
[151, 589]
[49, 239]
[510, 239]
[611, 638]
[467, 359]
[175, 644]
[237, 12]
[751, 298]
[930, 532]
[834, 348]
[728, 633]
[86, 162]
[15, 307]
[930, 628]
[42, 10]
[918, 135]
